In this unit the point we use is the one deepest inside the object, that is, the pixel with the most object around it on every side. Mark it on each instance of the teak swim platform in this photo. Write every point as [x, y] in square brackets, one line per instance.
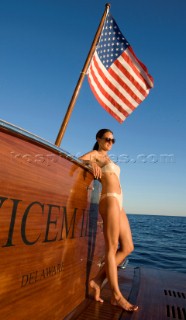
[160, 295]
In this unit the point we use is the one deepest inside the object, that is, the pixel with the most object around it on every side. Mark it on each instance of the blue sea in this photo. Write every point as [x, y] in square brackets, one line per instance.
[160, 242]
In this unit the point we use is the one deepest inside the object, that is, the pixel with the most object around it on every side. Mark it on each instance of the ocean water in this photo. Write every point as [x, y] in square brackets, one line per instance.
[159, 241]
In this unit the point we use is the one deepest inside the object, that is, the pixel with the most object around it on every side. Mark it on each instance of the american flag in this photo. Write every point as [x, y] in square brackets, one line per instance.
[118, 79]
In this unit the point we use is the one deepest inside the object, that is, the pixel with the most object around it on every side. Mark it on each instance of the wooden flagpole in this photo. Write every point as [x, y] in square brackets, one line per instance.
[81, 78]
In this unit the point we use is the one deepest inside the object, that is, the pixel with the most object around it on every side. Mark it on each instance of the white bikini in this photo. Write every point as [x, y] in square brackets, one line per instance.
[111, 167]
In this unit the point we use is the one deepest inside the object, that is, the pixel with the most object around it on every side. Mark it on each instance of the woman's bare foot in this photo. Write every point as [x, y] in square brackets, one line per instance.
[97, 290]
[124, 304]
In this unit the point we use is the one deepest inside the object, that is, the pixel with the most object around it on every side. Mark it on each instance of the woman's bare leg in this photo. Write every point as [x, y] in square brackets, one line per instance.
[111, 214]
[126, 247]
[125, 238]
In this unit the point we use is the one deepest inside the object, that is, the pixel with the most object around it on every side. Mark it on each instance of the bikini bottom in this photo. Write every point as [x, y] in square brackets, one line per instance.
[118, 196]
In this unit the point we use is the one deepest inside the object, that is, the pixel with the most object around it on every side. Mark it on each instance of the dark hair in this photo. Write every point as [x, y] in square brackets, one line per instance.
[100, 134]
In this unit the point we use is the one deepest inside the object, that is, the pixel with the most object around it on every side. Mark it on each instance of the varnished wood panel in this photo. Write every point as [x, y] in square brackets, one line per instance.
[50, 242]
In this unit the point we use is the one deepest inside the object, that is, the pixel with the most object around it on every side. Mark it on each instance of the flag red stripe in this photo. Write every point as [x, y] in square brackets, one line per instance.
[143, 67]
[137, 72]
[148, 81]
[123, 83]
[106, 93]
[103, 104]
[112, 87]
[130, 76]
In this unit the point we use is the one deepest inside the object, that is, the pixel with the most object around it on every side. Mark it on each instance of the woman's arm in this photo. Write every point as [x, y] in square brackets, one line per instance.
[89, 156]
[90, 159]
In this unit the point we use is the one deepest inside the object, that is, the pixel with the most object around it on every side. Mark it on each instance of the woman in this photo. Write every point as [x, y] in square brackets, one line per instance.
[115, 223]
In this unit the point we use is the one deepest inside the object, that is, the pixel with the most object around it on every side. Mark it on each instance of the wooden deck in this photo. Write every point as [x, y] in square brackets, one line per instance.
[160, 295]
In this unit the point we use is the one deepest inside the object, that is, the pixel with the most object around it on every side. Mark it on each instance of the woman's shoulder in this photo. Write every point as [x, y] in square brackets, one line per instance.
[90, 155]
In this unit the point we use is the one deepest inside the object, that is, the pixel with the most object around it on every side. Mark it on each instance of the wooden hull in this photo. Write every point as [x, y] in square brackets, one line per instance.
[51, 239]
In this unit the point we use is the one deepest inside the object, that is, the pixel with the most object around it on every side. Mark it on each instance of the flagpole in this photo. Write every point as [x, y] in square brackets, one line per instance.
[81, 78]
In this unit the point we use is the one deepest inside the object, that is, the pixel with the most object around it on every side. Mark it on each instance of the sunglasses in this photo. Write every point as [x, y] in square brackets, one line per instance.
[109, 140]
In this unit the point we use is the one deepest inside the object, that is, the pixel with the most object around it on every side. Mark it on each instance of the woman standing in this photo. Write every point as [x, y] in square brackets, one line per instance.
[115, 223]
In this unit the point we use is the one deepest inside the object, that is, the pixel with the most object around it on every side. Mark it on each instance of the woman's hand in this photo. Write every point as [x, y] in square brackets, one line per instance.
[90, 159]
[96, 170]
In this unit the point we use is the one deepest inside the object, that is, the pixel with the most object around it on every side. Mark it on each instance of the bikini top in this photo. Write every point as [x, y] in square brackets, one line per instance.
[111, 167]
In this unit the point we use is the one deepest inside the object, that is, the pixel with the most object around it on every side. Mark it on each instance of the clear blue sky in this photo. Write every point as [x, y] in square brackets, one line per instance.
[43, 46]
